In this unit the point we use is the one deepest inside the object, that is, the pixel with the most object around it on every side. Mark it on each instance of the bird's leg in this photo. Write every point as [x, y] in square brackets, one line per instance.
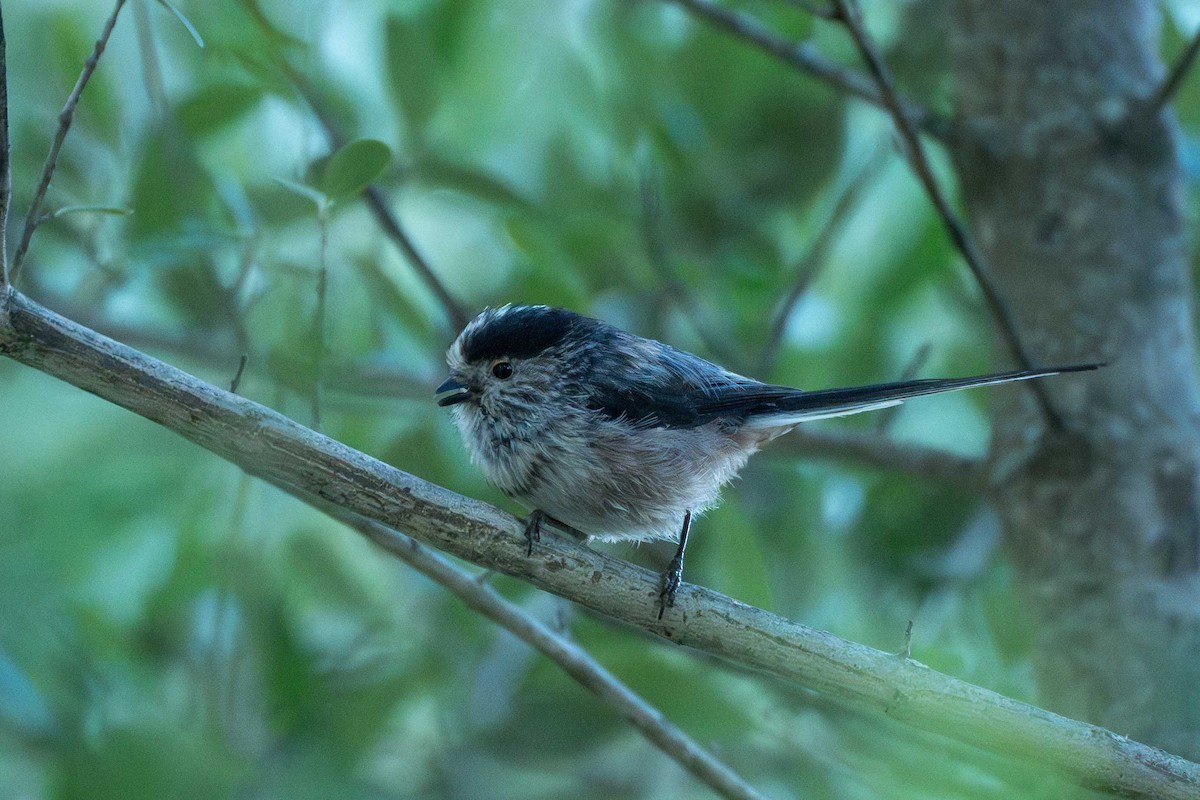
[533, 528]
[673, 577]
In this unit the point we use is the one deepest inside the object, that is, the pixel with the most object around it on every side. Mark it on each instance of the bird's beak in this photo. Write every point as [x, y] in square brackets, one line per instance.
[451, 392]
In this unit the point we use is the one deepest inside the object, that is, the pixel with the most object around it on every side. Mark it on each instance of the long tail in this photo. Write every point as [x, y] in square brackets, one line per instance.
[805, 406]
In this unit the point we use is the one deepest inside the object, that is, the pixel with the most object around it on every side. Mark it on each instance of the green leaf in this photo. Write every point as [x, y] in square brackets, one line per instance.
[353, 167]
[171, 191]
[187, 23]
[216, 105]
[114, 210]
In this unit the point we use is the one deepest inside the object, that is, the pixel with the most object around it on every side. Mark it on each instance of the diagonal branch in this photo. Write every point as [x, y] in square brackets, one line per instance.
[877, 451]
[572, 658]
[818, 253]
[378, 204]
[1175, 77]
[391, 226]
[65, 117]
[805, 58]
[306, 464]
[848, 14]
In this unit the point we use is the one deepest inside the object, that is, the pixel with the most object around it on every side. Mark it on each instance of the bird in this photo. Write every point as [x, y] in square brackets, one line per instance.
[617, 437]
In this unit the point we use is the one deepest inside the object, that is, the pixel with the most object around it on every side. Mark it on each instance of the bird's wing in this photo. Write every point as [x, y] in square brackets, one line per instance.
[681, 400]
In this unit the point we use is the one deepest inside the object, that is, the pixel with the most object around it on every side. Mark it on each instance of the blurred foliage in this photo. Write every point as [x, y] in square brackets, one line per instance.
[173, 629]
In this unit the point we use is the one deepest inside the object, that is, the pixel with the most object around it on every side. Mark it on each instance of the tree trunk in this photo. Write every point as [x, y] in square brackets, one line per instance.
[1074, 188]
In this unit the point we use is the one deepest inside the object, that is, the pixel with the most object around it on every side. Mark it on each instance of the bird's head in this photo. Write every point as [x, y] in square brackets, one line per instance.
[510, 357]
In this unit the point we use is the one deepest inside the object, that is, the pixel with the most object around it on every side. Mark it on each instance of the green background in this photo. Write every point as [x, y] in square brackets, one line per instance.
[171, 628]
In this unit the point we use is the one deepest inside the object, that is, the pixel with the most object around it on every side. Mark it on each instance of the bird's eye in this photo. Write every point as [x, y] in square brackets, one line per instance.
[502, 370]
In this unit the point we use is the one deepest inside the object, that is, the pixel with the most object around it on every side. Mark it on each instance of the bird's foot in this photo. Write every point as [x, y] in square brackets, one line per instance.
[533, 529]
[672, 579]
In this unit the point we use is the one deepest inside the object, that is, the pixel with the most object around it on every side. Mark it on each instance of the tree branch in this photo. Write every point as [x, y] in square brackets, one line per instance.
[391, 226]
[818, 253]
[848, 14]
[572, 658]
[387, 221]
[803, 57]
[878, 451]
[65, 117]
[1175, 77]
[305, 463]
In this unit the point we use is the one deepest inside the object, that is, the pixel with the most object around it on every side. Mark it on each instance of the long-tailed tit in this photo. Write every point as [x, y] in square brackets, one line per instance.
[625, 438]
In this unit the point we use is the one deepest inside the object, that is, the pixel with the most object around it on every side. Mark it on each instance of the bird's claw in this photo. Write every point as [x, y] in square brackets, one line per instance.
[672, 579]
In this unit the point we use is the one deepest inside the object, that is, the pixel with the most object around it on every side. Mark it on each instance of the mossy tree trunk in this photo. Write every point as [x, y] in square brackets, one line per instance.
[1073, 185]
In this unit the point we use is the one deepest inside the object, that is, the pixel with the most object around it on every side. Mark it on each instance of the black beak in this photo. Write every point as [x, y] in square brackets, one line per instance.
[451, 392]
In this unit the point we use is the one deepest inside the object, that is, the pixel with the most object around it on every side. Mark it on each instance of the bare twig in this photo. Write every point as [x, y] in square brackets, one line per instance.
[479, 596]
[65, 117]
[818, 252]
[906, 646]
[873, 450]
[270, 446]
[391, 226]
[1175, 77]
[5, 156]
[387, 221]
[803, 57]
[848, 14]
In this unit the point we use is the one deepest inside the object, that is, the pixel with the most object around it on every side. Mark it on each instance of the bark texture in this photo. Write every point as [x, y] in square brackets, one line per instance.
[1074, 188]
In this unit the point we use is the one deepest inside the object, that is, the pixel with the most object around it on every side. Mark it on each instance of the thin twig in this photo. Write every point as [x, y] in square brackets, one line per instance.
[906, 645]
[378, 204]
[5, 158]
[65, 117]
[803, 57]
[320, 470]
[480, 597]
[818, 253]
[848, 14]
[873, 450]
[1175, 77]
[391, 226]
